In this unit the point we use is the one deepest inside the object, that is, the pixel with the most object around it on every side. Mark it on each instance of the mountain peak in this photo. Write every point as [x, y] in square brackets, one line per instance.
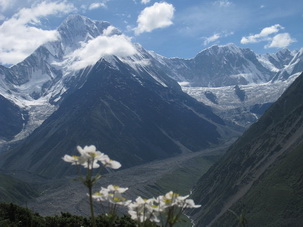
[222, 49]
[75, 17]
[76, 29]
[78, 23]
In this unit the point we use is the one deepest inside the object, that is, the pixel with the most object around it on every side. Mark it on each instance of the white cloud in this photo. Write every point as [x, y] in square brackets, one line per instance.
[269, 34]
[223, 3]
[280, 41]
[211, 39]
[97, 5]
[270, 30]
[104, 45]
[6, 4]
[19, 36]
[263, 35]
[156, 16]
[215, 37]
[145, 1]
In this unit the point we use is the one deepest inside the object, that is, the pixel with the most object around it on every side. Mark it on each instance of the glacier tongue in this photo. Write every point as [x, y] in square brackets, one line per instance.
[230, 107]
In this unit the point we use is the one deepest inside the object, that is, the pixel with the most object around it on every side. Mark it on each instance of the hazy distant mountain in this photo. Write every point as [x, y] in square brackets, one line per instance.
[228, 65]
[280, 59]
[216, 72]
[261, 173]
[293, 67]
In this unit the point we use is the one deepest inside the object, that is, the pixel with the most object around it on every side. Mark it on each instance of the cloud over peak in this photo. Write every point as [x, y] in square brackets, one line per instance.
[20, 37]
[281, 40]
[96, 5]
[159, 15]
[101, 46]
[211, 39]
[145, 1]
[263, 35]
[5, 4]
[269, 34]
[215, 37]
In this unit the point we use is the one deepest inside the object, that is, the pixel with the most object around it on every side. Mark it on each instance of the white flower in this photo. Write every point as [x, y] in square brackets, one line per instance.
[102, 195]
[116, 188]
[143, 209]
[107, 162]
[189, 203]
[73, 159]
[172, 199]
[90, 152]
[112, 194]
[171, 204]
[115, 195]
[89, 158]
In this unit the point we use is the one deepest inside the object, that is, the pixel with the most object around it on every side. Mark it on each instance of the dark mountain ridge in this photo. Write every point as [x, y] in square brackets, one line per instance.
[12, 119]
[132, 121]
[275, 140]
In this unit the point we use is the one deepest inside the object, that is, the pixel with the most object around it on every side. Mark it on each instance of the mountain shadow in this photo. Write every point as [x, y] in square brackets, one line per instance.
[261, 173]
[127, 115]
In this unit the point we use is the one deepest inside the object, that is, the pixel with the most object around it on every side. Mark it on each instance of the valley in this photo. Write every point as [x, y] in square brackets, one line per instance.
[222, 125]
[152, 179]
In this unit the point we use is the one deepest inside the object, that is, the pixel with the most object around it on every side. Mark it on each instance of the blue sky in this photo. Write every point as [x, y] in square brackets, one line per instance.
[172, 28]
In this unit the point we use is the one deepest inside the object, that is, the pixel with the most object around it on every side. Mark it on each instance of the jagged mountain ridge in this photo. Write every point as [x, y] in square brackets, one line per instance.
[132, 122]
[37, 83]
[40, 82]
[272, 144]
[127, 106]
[228, 65]
[217, 71]
[262, 78]
[48, 80]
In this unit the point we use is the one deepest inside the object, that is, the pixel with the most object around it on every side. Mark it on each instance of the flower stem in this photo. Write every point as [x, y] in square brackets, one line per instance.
[91, 205]
[89, 183]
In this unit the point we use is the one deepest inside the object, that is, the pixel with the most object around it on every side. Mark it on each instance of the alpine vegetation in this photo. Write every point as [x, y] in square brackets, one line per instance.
[165, 209]
[89, 158]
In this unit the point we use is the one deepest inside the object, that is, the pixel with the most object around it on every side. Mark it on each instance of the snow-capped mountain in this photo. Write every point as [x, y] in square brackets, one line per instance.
[217, 75]
[242, 108]
[125, 104]
[295, 66]
[38, 84]
[220, 66]
[230, 65]
[237, 83]
[277, 61]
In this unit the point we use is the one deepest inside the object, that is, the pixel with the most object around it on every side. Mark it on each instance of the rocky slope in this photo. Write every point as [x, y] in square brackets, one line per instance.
[125, 113]
[12, 119]
[268, 152]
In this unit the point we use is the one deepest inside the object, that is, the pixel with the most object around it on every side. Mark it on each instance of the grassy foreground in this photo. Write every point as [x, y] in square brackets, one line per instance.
[12, 215]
